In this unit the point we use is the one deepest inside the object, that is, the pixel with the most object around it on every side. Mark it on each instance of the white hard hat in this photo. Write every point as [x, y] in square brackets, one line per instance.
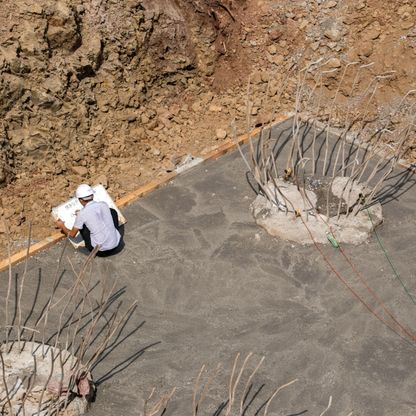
[84, 191]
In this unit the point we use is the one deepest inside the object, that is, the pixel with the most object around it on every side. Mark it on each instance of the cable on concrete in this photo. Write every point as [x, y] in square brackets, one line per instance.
[396, 273]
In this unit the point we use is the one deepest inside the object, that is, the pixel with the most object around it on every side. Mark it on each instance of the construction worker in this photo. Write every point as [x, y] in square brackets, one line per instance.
[96, 222]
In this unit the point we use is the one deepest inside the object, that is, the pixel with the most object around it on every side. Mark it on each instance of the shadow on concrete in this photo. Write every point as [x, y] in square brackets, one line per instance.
[31, 318]
[123, 365]
[317, 145]
[252, 394]
[396, 185]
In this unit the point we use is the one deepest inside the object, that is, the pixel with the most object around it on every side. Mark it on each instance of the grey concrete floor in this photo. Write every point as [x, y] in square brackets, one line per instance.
[211, 284]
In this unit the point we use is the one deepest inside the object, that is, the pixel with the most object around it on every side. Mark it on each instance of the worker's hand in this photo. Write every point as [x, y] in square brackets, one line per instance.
[59, 223]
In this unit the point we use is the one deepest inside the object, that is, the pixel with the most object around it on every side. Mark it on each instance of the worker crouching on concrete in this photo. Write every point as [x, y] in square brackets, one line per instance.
[97, 223]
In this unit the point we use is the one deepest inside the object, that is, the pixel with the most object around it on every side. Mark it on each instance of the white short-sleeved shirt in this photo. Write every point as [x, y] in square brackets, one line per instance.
[97, 217]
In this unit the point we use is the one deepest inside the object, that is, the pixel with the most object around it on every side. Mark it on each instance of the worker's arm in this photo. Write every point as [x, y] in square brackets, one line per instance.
[69, 232]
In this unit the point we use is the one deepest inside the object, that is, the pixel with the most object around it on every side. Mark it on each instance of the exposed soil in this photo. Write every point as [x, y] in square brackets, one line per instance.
[120, 92]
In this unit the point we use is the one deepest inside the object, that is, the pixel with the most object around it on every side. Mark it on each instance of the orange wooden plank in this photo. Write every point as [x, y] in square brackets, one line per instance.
[230, 145]
[41, 245]
[145, 189]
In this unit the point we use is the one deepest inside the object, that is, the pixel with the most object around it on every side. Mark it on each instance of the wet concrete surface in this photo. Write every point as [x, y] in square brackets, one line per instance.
[210, 284]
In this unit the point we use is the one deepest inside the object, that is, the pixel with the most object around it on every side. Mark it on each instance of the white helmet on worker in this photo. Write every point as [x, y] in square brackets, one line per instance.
[84, 191]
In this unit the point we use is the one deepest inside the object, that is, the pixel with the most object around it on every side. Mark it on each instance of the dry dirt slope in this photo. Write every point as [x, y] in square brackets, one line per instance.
[118, 92]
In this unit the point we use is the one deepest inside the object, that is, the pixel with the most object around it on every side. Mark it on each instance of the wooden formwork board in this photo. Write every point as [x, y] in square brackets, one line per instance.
[34, 248]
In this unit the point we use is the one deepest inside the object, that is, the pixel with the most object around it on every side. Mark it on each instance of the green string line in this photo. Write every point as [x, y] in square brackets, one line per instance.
[389, 260]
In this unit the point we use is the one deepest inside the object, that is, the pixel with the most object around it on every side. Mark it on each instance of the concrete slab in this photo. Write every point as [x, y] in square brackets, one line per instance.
[210, 283]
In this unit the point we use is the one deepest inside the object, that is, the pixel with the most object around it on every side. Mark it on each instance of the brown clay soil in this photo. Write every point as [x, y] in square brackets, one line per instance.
[104, 91]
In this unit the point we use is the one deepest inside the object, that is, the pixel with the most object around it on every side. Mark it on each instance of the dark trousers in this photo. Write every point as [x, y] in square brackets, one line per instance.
[86, 235]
